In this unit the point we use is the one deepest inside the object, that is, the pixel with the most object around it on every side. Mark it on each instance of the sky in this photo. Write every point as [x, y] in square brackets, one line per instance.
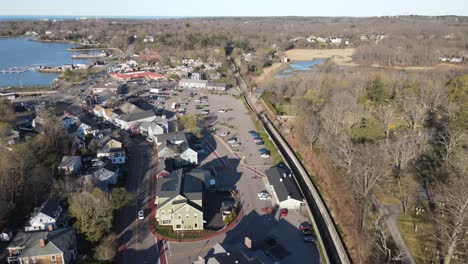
[355, 8]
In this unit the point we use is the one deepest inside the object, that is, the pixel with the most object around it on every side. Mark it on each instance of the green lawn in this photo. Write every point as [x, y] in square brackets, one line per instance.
[269, 145]
[418, 241]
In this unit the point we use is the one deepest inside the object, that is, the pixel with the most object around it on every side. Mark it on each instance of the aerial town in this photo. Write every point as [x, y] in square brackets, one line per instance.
[231, 139]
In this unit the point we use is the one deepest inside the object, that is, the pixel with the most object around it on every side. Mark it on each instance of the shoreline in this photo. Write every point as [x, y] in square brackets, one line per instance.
[53, 41]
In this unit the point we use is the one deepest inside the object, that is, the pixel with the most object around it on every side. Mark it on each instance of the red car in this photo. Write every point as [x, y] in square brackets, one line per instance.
[284, 212]
[305, 226]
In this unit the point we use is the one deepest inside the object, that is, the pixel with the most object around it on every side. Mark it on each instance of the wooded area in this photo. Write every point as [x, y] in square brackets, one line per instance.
[392, 135]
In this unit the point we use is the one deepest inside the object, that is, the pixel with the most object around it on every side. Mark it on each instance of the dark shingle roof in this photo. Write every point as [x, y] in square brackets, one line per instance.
[285, 187]
[57, 242]
[50, 207]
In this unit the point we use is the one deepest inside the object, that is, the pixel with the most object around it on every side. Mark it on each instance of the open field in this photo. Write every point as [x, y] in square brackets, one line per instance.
[269, 71]
[310, 54]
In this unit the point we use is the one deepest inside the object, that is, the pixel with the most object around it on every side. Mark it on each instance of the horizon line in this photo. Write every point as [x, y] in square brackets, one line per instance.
[235, 16]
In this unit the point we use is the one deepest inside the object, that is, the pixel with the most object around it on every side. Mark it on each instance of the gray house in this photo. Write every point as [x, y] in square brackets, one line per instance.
[70, 165]
[58, 246]
[175, 146]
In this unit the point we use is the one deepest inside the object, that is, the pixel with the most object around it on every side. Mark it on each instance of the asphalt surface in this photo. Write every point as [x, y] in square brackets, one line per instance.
[139, 244]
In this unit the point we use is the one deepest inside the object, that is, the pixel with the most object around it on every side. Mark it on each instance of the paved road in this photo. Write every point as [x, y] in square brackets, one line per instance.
[140, 244]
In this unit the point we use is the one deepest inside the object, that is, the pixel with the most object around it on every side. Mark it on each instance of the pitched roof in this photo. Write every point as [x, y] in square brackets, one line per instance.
[50, 207]
[170, 185]
[284, 183]
[68, 161]
[103, 174]
[174, 136]
[57, 242]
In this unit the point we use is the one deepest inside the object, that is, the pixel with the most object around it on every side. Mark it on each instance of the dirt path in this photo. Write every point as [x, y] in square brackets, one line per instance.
[390, 212]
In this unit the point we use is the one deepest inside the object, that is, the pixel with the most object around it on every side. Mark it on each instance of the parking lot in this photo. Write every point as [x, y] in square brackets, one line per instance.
[240, 168]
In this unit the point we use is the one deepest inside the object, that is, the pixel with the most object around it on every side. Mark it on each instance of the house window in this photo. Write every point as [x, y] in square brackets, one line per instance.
[196, 225]
[179, 216]
[162, 211]
[53, 258]
[195, 216]
[187, 216]
[177, 226]
[166, 222]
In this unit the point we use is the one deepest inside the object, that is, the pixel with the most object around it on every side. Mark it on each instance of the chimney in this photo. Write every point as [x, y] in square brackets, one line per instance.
[50, 228]
[42, 242]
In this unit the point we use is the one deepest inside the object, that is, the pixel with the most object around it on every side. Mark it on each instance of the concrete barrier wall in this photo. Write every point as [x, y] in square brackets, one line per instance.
[331, 240]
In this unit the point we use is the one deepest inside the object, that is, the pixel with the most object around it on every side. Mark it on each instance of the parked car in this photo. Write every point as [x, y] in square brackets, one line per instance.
[309, 238]
[200, 150]
[235, 145]
[264, 195]
[259, 142]
[221, 111]
[284, 212]
[224, 134]
[305, 226]
[255, 135]
[232, 140]
[141, 215]
[262, 150]
[265, 155]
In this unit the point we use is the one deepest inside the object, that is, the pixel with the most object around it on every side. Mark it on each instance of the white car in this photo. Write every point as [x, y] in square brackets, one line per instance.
[265, 155]
[264, 195]
[232, 140]
[141, 215]
[221, 111]
[223, 134]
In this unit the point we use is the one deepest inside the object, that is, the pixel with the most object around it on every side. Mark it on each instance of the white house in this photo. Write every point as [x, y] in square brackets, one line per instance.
[85, 129]
[216, 86]
[193, 84]
[284, 187]
[159, 126]
[335, 40]
[113, 150]
[130, 116]
[46, 217]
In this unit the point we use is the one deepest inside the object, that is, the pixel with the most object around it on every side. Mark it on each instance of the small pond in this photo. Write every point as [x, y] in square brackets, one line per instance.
[299, 67]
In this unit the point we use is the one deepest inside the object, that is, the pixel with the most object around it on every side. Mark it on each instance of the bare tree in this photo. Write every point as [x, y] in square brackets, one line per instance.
[369, 167]
[384, 114]
[451, 139]
[452, 217]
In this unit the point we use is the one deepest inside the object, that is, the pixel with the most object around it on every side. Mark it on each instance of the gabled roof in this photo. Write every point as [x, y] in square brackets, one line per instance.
[284, 183]
[50, 208]
[170, 185]
[57, 242]
[137, 115]
[68, 161]
[103, 174]
[174, 136]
